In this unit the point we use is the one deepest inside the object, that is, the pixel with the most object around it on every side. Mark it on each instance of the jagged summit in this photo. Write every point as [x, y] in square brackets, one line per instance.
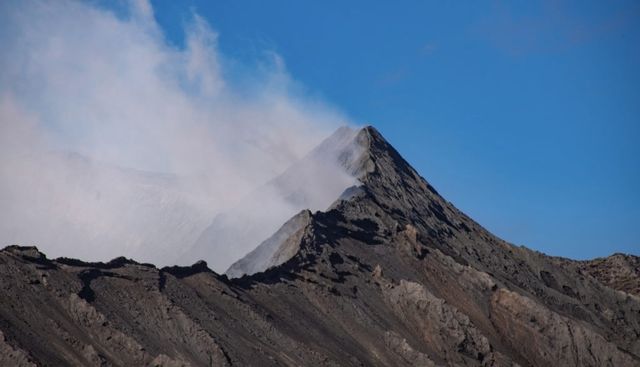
[390, 274]
[365, 149]
[349, 155]
[384, 177]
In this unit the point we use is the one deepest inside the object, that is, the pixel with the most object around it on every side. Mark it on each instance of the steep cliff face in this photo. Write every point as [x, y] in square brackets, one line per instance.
[390, 275]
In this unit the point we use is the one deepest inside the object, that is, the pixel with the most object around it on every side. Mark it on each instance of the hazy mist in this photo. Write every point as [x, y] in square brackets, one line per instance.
[115, 142]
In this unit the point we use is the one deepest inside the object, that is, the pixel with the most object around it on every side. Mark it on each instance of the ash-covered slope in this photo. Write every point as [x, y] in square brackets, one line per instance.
[390, 275]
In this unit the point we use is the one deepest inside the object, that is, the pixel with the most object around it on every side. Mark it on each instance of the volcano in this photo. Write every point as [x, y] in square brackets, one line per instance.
[391, 274]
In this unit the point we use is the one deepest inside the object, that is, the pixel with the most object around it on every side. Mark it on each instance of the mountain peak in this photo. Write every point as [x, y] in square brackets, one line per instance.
[372, 133]
[386, 181]
[390, 275]
[362, 151]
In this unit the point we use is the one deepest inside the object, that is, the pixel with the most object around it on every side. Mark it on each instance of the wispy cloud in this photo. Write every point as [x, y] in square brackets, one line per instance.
[77, 77]
[393, 77]
[552, 25]
[428, 48]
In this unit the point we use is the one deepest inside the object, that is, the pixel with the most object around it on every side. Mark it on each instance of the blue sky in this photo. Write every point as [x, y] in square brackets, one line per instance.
[526, 115]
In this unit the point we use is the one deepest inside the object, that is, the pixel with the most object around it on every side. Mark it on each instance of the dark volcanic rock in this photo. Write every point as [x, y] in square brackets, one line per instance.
[618, 271]
[391, 275]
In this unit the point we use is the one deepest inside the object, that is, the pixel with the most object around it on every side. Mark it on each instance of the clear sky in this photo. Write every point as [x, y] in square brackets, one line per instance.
[526, 115]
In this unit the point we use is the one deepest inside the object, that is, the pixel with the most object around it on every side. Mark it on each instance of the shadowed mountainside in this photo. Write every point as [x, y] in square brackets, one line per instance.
[390, 275]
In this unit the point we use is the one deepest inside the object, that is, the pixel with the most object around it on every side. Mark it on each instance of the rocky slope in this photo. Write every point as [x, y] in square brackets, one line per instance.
[390, 275]
[618, 271]
[275, 250]
[313, 182]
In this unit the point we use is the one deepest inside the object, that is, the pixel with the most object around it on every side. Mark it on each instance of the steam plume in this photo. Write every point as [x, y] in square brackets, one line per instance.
[114, 142]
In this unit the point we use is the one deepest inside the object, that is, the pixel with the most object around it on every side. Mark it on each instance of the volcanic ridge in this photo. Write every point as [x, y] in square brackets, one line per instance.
[391, 274]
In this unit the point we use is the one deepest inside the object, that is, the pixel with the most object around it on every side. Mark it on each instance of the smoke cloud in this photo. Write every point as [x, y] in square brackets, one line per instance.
[115, 142]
